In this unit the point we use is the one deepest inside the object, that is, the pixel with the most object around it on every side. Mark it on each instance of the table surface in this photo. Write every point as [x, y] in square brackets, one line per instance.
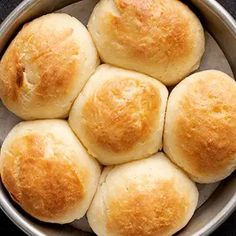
[7, 227]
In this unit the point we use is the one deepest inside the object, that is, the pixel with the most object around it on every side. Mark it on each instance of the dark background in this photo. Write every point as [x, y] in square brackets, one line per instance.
[8, 228]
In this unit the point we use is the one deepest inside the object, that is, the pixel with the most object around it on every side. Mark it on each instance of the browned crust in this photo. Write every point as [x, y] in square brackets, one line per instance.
[206, 127]
[40, 62]
[152, 212]
[46, 186]
[121, 113]
[150, 30]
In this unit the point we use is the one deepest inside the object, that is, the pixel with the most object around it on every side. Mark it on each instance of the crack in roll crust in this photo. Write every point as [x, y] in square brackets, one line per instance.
[134, 106]
[204, 126]
[24, 58]
[161, 38]
[43, 69]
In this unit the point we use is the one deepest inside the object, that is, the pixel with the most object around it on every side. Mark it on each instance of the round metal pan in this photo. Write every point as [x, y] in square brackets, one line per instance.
[220, 205]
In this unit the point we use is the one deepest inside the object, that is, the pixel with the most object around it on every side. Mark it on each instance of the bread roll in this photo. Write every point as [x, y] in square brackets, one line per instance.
[119, 115]
[160, 38]
[148, 197]
[47, 171]
[200, 128]
[46, 66]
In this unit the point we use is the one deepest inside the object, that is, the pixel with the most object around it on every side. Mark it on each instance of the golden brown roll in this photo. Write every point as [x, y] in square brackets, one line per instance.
[46, 66]
[148, 197]
[119, 115]
[200, 127]
[160, 38]
[47, 171]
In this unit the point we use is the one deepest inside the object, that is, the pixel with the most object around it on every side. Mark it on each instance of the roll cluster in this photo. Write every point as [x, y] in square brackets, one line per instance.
[108, 139]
